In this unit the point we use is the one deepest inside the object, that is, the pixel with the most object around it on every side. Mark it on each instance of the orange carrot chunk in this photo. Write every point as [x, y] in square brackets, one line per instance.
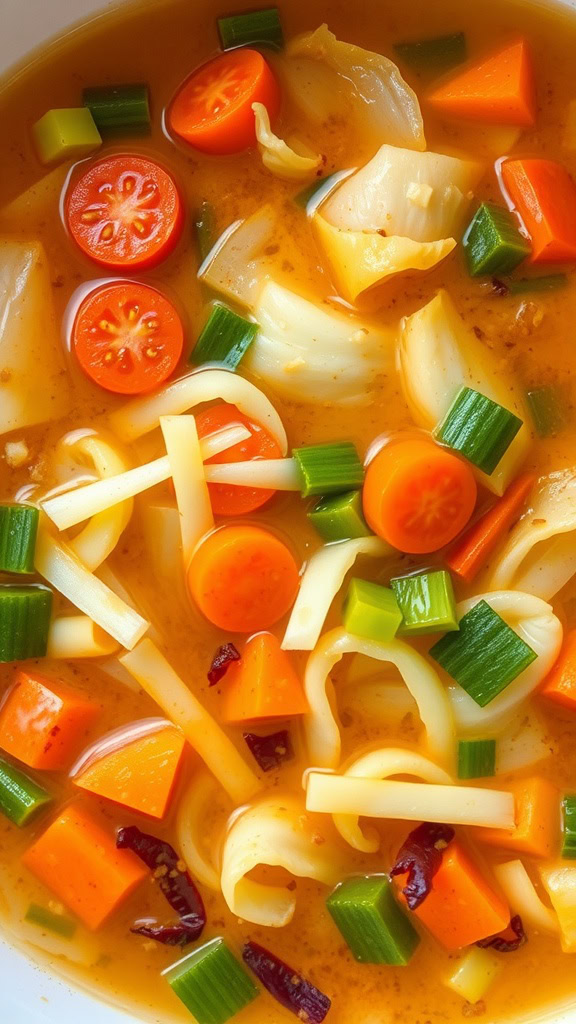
[544, 195]
[77, 859]
[560, 685]
[473, 549]
[140, 775]
[498, 90]
[44, 723]
[461, 906]
[537, 815]
[263, 684]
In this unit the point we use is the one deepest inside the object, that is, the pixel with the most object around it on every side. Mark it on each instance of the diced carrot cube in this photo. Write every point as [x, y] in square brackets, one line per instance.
[263, 684]
[560, 684]
[544, 195]
[498, 90]
[537, 813]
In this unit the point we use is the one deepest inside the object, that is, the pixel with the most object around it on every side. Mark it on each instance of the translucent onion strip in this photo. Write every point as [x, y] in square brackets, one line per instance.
[276, 474]
[187, 471]
[519, 890]
[77, 636]
[191, 829]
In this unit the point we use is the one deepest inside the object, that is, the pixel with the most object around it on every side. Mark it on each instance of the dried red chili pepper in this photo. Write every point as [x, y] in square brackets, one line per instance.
[270, 751]
[286, 985]
[221, 662]
[503, 945]
[421, 856]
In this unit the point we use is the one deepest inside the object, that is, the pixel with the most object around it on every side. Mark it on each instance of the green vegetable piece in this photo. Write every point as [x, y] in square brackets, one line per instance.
[493, 243]
[478, 428]
[225, 338]
[18, 530]
[438, 54]
[24, 621]
[476, 759]
[315, 194]
[44, 918]
[256, 28]
[544, 283]
[205, 224]
[329, 468]
[119, 109]
[21, 798]
[548, 411]
[371, 611]
[427, 603]
[569, 827]
[339, 517]
[484, 656]
[373, 925]
[211, 983]
[65, 134]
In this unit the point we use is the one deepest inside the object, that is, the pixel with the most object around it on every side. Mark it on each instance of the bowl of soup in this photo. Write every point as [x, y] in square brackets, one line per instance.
[288, 514]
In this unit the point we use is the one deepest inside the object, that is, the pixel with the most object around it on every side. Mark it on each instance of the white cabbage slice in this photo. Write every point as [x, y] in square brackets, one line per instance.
[423, 196]
[277, 155]
[439, 354]
[383, 103]
[236, 265]
[304, 351]
[316, 90]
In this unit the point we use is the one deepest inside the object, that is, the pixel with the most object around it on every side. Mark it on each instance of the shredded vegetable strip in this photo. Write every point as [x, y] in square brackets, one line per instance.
[187, 470]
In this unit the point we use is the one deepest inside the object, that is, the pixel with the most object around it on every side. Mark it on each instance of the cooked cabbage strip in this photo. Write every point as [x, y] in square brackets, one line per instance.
[275, 474]
[77, 636]
[191, 829]
[236, 266]
[277, 155]
[560, 883]
[525, 741]
[521, 894]
[187, 471]
[161, 529]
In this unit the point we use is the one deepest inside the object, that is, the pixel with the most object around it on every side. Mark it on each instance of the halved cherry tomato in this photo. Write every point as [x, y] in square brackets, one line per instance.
[125, 212]
[127, 337]
[228, 499]
[213, 108]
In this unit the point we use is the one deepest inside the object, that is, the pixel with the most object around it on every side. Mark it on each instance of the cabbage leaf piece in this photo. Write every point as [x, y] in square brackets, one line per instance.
[277, 155]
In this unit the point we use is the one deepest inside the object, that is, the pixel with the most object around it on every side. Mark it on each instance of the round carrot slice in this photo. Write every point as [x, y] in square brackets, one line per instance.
[213, 108]
[125, 212]
[127, 337]
[243, 578]
[228, 499]
[418, 496]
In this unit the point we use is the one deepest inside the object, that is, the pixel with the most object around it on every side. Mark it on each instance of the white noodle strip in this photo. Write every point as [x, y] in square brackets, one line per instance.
[76, 636]
[323, 577]
[191, 829]
[409, 801]
[276, 474]
[115, 740]
[161, 682]
[100, 536]
[141, 415]
[519, 890]
[60, 567]
[74, 507]
[187, 471]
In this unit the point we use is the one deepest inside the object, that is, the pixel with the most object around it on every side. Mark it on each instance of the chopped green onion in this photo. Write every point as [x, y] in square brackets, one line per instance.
[211, 983]
[119, 109]
[329, 468]
[315, 194]
[256, 28]
[438, 54]
[371, 611]
[493, 243]
[547, 410]
[225, 338]
[65, 134]
[375, 928]
[18, 529]
[205, 224]
[44, 918]
[339, 517]
[544, 283]
[476, 759]
[21, 798]
[427, 602]
[24, 621]
[478, 428]
[484, 656]
[569, 827]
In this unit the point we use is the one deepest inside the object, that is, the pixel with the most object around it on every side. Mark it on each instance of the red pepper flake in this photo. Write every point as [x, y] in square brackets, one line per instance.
[270, 751]
[499, 287]
[287, 986]
[221, 662]
[507, 941]
[421, 856]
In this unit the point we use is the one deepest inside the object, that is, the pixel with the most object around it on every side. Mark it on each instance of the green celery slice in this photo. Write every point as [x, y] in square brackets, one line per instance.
[44, 918]
[255, 28]
[65, 134]
[476, 759]
[375, 928]
[438, 54]
[225, 339]
[212, 983]
[493, 243]
[339, 517]
[329, 468]
[21, 798]
[427, 603]
[371, 611]
[18, 530]
[478, 428]
[547, 408]
[24, 621]
[569, 827]
[205, 224]
[485, 655]
[544, 283]
[119, 109]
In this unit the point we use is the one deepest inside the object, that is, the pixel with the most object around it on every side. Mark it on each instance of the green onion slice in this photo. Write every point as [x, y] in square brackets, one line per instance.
[205, 225]
[25, 613]
[256, 28]
[478, 428]
[427, 603]
[329, 468]
[569, 827]
[438, 54]
[212, 983]
[119, 109]
[476, 759]
[21, 798]
[548, 410]
[493, 243]
[375, 928]
[371, 611]
[225, 338]
[46, 919]
[18, 530]
[544, 283]
[339, 517]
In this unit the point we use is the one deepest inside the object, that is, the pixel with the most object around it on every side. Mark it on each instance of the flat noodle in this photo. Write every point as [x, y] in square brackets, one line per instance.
[521, 894]
[76, 636]
[191, 829]
[423, 682]
[276, 474]
[275, 832]
[187, 471]
[161, 528]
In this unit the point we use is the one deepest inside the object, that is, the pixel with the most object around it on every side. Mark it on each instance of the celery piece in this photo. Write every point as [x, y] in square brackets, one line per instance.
[492, 242]
[476, 759]
[374, 926]
[438, 54]
[547, 408]
[339, 517]
[427, 603]
[44, 918]
[478, 428]
[371, 611]
[24, 621]
[212, 983]
[225, 338]
[569, 827]
[329, 468]
[21, 798]
[18, 530]
[64, 134]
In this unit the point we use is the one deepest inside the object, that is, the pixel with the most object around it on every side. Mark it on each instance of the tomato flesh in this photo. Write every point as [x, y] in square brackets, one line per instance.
[230, 499]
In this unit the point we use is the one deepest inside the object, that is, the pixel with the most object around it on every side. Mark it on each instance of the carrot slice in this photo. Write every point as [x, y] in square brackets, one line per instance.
[77, 859]
[227, 499]
[418, 496]
[499, 90]
[461, 906]
[537, 831]
[473, 549]
[44, 723]
[544, 195]
[213, 108]
[560, 684]
[140, 775]
[263, 684]
[243, 578]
